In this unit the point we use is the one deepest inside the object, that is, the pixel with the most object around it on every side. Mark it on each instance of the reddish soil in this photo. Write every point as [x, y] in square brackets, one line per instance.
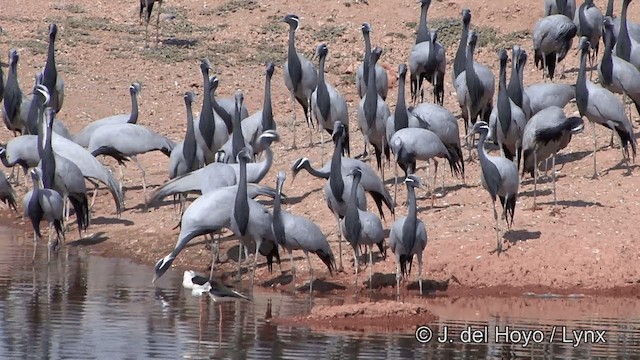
[589, 245]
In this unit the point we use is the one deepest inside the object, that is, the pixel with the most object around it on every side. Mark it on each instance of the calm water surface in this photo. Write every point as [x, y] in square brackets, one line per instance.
[84, 306]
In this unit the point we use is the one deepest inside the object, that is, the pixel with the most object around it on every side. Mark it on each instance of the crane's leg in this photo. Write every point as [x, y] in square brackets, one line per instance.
[95, 192]
[293, 120]
[144, 182]
[306, 253]
[535, 177]
[495, 216]
[544, 67]
[595, 172]
[321, 145]
[398, 277]
[310, 121]
[49, 245]
[395, 182]
[158, 21]
[238, 276]
[356, 252]
[340, 267]
[553, 176]
[435, 175]
[215, 249]
[370, 267]
[255, 261]
[420, 271]
[35, 244]
[293, 265]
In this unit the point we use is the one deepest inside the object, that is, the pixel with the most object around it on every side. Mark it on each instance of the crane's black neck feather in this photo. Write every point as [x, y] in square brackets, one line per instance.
[207, 123]
[504, 106]
[241, 204]
[278, 224]
[623, 47]
[294, 65]
[267, 110]
[336, 183]
[322, 97]
[352, 218]
[189, 145]
[410, 222]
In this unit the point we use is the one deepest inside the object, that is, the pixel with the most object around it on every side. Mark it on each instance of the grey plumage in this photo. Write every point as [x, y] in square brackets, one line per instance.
[500, 178]
[616, 74]
[82, 138]
[588, 20]
[207, 214]
[548, 132]
[564, 7]
[627, 48]
[210, 130]
[21, 150]
[216, 175]
[338, 189]
[601, 106]
[43, 204]
[254, 125]
[186, 156]
[408, 236]
[12, 97]
[461, 54]
[507, 120]
[515, 89]
[409, 145]
[475, 87]
[7, 194]
[552, 39]
[225, 107]
[361, 227]
[300, 76]
[633, 28]
[51, 78]
[124, 141]
[250, 221]
[382, 81]
[327, 103]
[544, 95]
[294, 232]
[373, 113]
[427, 60]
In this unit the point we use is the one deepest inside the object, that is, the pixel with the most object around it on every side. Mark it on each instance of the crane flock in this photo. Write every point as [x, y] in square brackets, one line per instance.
[227, 152]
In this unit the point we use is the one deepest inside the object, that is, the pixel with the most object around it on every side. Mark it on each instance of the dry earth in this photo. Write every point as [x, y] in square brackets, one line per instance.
[589, 245]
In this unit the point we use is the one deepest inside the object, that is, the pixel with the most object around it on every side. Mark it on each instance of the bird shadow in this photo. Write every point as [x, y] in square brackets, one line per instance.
[183, 43]
[294, 200]
[94, 239]
[562, 159]
[539, 192]
[575, 203]
[435, 206]
[321, 286]
[429, 286]
[515, 236]
[111, 221]
[281, 280]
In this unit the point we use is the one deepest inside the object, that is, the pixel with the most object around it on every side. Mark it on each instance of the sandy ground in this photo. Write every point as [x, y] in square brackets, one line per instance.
[589, 245]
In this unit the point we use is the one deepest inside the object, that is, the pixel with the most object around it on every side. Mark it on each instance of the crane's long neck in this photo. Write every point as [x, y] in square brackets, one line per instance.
[423, 31]
[410, 222]
[207, 123]
[33, 124]
[606, 66]
[367, 57]
[278, 224]
[335, 176]
[471, 77]
[241, 205]
[237, 140]
[133, 117]
[515, 86]
[351, 217]
[371, 101]
[295, 67]
[189, 145]
[562, 6]
[47, 157]
[323, 99]
[265, 165]
[582, 92]
[623, 47]
[267, 110]
[315, 172]
[504, 107]
[482, 153]
[226, 117]
[50, 72]
[400, 116]
[460, 60]
[609, 11]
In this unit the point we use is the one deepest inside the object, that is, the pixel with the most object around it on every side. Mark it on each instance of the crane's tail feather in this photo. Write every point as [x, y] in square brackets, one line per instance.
[454, 158]
[404, 261]
[383, 250]
[328, 259]
[627, 137]
[509, 206]
[81, 207]
[527, 162]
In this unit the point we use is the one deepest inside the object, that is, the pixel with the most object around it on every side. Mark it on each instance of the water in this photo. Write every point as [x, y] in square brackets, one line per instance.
[83, 306]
